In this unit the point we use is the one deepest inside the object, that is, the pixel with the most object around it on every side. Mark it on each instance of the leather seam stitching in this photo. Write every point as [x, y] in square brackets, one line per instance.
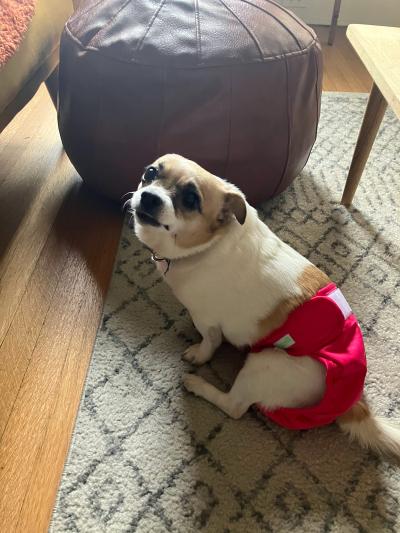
[289, 136]
[86, 11]
[276, 57]
[198, 30]
[151, 22]
[292, 16]
[95, 38]
[228, 149]
[253, 37]
[276, 20]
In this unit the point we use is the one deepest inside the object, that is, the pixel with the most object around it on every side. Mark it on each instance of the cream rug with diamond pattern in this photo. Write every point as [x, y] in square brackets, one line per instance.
[148, 457]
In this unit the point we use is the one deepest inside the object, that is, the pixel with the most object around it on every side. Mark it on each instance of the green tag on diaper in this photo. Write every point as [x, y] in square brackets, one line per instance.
[284, 342]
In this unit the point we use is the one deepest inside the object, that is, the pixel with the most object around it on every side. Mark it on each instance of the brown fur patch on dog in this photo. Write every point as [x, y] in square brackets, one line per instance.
[310, 281]
[359, 412]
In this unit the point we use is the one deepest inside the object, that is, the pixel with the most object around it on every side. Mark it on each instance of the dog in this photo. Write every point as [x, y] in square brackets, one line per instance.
[240, 283]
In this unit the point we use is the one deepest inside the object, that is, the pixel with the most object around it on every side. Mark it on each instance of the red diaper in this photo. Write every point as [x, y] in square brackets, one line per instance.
[326, 329]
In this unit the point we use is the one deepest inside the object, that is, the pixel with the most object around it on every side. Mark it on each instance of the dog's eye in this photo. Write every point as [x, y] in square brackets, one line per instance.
[191, 200]
[150, 174]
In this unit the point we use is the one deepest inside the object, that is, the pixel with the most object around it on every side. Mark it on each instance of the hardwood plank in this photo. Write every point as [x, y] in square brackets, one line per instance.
[343, 70]
[19, 144]
[11, 135]
[55, 268]
[35, 185]
[42, 417]
[49, 462]
[23, 435]
[18, 345]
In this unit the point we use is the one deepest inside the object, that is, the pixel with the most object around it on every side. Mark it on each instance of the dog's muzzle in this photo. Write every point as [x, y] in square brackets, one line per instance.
[149, 208]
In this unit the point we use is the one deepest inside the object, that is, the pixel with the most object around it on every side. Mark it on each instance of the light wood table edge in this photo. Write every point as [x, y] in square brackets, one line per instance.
[381, 95]
[378, 77]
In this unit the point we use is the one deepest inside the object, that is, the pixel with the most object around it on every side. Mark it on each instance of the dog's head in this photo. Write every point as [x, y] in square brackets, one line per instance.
[180, 208]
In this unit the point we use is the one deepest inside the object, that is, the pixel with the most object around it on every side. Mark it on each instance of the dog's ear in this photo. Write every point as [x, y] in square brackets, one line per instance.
[236, 204]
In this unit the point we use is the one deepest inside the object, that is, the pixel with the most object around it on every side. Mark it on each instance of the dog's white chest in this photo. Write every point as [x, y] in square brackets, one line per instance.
[215, 297]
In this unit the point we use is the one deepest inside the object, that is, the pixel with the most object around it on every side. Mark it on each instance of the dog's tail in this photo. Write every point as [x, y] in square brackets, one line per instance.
[376, 433]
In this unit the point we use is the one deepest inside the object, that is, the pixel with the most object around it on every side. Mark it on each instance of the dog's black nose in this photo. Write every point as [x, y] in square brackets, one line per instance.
[150, 202]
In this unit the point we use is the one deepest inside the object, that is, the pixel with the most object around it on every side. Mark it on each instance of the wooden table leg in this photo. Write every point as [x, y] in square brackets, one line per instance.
[335, 16]
[372, 120]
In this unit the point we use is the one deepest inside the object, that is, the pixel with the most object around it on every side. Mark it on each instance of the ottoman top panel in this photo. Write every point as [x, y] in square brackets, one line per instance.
[189, 33]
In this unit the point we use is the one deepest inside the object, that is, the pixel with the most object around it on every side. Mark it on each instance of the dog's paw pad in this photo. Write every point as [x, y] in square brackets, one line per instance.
[192, 383]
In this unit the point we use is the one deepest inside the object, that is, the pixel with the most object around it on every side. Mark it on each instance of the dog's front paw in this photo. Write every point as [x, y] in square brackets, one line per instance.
[193, 383]
[195, 355]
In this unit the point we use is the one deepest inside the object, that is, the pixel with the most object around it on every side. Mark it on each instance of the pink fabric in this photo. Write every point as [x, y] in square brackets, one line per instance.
[319, 329]
[15, 16]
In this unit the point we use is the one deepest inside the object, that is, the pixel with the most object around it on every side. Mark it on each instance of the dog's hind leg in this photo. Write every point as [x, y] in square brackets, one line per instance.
[233, 406]
[271, 377]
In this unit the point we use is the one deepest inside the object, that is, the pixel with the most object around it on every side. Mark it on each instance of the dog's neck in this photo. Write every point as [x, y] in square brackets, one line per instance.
[165, 264]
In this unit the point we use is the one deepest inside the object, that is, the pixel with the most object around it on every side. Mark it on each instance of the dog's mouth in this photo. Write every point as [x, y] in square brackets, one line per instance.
[145, 218]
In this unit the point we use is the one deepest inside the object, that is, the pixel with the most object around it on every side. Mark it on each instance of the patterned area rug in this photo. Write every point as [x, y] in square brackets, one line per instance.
[148, 457]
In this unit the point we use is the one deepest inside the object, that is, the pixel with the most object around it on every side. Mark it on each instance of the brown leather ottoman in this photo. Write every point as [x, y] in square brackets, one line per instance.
[234, 85]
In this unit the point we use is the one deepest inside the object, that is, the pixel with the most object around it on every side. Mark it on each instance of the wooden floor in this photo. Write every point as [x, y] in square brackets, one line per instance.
[57, 247]
[343, 70]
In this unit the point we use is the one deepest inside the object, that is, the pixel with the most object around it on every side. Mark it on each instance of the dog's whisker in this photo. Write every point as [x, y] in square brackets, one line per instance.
[126, 194]
[127, 202]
